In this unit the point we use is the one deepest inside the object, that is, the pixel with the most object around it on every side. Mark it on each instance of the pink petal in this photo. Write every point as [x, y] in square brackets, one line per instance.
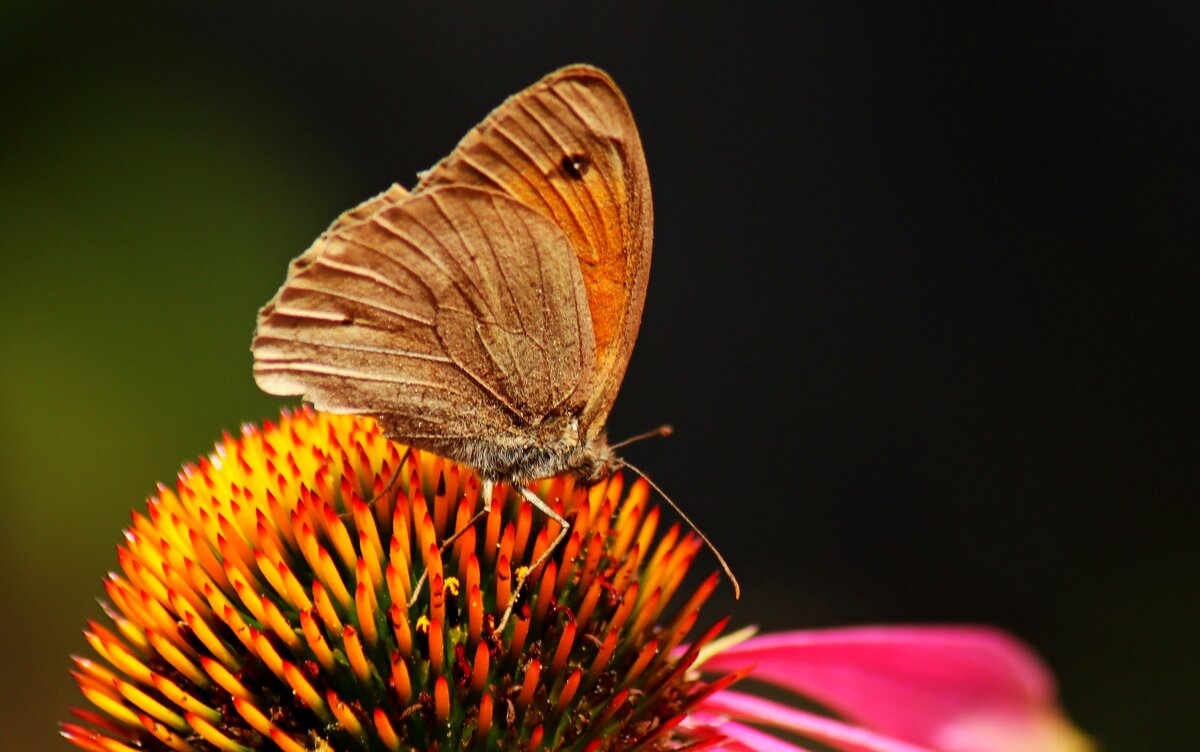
[955, 689]
[740, 738]
[841, 735]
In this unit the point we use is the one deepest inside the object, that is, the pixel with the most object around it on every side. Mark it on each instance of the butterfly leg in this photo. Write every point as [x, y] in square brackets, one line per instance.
[563, 530]
[486, 492]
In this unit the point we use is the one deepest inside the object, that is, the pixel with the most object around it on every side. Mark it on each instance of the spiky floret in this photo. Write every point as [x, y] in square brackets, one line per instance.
[264, 604]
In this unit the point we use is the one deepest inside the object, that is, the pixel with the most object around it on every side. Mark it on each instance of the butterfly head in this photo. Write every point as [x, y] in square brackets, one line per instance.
[593, 461]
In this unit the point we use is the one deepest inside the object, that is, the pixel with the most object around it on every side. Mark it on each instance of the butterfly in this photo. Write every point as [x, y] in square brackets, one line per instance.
[488, 314]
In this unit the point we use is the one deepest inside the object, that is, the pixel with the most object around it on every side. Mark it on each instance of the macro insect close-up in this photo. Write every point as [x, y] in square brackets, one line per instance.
[488, 316]
[327, 427]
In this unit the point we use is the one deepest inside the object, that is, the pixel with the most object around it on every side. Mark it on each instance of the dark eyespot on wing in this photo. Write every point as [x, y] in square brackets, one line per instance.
[575, 166]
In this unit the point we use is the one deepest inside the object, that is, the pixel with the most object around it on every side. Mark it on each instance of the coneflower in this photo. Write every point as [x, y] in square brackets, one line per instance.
[270, 601]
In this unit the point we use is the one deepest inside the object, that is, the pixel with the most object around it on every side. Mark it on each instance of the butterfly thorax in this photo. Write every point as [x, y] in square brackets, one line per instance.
[558, 447]
[496, 461]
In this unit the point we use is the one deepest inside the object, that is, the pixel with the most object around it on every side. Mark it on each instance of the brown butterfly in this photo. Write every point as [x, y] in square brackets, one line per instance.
[488, 315]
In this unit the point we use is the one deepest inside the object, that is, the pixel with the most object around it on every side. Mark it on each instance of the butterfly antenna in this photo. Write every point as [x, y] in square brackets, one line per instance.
[663, 430]
[737, 589]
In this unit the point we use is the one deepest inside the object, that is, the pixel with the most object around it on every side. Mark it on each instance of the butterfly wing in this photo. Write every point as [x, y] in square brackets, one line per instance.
[568, 147]
[458, 313]
[393, 195]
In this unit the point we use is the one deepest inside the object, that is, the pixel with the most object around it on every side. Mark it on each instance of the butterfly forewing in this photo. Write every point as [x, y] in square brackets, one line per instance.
[391, 196]
[568, 147]
[455, 313]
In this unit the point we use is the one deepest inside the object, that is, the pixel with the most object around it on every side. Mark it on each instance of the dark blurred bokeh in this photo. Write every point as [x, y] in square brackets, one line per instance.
[923, 310]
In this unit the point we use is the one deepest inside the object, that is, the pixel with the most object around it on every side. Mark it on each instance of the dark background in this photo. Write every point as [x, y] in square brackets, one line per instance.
[923, 308]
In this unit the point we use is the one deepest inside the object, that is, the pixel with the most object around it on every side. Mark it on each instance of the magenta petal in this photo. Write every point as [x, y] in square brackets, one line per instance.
[957, 689]
[838, 734]
[739, 737]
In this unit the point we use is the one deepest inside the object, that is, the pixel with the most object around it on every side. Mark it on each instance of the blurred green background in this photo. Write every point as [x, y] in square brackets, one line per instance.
[924, 296]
